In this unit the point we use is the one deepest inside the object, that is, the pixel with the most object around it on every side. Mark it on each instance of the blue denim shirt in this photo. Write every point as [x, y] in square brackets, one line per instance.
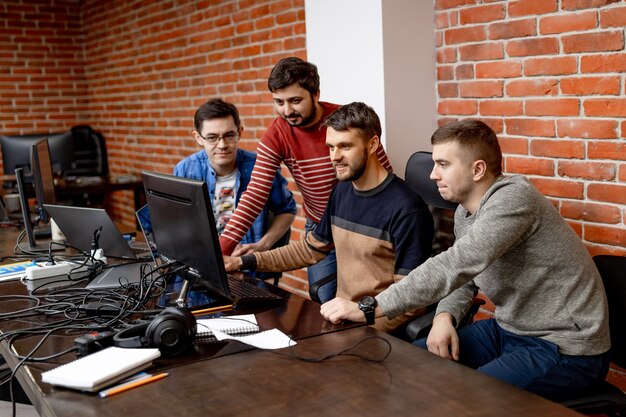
[280, 200]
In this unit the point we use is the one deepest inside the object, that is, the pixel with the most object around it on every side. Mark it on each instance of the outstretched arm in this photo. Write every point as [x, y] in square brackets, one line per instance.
[339, 309]
[280, 225]
[252, 200]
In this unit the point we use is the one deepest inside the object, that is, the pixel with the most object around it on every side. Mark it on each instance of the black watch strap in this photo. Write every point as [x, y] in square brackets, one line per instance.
[369, 316]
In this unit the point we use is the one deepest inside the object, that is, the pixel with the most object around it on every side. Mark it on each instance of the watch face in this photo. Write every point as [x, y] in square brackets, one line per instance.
[367, 302]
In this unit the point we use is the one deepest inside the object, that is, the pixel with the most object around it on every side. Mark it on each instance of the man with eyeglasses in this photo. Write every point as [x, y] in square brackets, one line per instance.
[227, 170]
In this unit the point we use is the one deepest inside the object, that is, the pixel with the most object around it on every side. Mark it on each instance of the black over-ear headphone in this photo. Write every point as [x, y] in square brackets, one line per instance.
[172, 331]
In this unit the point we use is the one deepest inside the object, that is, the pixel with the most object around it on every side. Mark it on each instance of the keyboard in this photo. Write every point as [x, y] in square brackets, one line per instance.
[245, 291]
[140, 251]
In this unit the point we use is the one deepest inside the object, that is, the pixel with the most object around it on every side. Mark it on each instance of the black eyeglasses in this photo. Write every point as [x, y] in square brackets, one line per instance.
[228, 137]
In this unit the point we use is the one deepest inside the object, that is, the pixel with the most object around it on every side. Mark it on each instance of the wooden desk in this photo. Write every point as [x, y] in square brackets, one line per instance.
[261, 383]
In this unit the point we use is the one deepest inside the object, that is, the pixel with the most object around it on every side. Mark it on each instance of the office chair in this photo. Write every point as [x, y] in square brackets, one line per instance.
[606, 398]
[90, 154]
[417, 176]
[315, 287]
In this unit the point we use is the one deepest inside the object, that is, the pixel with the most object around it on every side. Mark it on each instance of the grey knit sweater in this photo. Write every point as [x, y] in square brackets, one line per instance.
[519, 251]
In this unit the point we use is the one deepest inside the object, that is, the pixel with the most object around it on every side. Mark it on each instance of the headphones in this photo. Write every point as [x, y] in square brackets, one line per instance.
[172, 332]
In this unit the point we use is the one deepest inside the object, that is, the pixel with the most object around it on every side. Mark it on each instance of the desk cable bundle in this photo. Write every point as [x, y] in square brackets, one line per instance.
[79, 310]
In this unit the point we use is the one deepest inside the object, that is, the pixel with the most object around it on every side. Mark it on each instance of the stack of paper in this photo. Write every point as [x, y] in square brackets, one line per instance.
[101, 369]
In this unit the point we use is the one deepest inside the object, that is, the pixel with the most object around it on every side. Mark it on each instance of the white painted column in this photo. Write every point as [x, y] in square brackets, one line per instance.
[381, 52]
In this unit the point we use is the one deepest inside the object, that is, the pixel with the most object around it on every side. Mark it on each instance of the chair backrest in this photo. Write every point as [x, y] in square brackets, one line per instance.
[417, 175]
[613, 272]
[90, 154]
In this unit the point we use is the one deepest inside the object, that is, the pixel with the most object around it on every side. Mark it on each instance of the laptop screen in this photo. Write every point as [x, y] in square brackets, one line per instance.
[143, 217]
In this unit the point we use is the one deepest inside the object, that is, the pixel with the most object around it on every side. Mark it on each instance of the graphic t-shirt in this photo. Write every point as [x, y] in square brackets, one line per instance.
[224, 203]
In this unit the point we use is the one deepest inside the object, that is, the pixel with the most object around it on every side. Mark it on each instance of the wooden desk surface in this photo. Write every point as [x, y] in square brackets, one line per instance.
[261, 383]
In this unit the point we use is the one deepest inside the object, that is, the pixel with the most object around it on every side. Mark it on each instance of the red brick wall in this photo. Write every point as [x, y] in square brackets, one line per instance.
[42, 79]
[548, 76]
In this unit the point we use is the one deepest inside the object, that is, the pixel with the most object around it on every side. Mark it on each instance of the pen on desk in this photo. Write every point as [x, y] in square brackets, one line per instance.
[125, 387]
[212, 310]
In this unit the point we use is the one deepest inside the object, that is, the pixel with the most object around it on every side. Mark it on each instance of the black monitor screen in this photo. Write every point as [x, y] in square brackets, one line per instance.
[184, 227]
[16, 151]
[43, 178]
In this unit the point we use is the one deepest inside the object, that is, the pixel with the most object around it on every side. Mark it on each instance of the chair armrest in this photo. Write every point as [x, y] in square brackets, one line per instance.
[315, 287]
[469, 316]
[420, 327]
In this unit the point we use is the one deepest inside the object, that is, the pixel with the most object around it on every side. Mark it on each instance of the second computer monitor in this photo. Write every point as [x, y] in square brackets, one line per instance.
[184, 228]
[16, 151]
[43, 177]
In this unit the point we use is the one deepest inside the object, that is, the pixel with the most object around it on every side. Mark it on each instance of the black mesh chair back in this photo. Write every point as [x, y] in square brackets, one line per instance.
[90, 154]
[606, 398]
[417, 175]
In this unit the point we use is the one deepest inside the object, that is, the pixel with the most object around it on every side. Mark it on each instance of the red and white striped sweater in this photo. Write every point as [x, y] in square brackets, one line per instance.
[304, 152]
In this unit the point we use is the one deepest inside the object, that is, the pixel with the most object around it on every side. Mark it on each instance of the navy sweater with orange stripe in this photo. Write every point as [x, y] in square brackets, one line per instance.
[379, 235]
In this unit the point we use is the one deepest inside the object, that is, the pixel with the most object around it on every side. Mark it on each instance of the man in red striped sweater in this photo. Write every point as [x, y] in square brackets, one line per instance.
[298, 139]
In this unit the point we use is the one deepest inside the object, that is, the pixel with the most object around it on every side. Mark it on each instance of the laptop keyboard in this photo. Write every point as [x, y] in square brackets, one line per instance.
[242, 290]
[140, 252]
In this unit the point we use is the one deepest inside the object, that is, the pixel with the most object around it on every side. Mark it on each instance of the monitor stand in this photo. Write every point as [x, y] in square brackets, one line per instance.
[180, 293]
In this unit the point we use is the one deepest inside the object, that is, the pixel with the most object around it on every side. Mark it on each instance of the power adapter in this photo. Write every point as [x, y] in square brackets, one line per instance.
[100, 308]
[93, 342]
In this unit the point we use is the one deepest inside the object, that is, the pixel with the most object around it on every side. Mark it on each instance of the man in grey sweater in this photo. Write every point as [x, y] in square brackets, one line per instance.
[550, 333]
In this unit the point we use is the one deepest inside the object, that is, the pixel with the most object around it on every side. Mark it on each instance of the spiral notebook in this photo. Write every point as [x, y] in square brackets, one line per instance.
[101, 369]
[232, 325]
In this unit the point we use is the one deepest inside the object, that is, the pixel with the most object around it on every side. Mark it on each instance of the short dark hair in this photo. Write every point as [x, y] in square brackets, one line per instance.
[293, 70]
[474, 137]
[215, 109]
[355, 115]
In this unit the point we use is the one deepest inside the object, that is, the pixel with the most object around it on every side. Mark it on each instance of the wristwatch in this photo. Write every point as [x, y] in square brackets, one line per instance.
[368, 305]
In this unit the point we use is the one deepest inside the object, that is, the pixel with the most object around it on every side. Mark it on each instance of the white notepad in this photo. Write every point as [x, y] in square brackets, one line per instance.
[101, 369]
[232, 325]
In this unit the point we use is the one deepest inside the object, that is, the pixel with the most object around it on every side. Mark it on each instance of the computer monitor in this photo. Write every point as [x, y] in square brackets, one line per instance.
[28, 225]
[184, 228]
[16, 151]
[43, 177]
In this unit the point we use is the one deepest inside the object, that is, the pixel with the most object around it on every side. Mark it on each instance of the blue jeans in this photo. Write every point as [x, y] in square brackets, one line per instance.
[322, 269]
[530, 363]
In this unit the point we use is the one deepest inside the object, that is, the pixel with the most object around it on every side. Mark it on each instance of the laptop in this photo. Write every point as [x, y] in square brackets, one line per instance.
[79, 224]
[129, 273]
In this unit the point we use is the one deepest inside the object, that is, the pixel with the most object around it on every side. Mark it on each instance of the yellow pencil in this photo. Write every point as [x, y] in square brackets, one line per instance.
[212, 310]
[126, 387]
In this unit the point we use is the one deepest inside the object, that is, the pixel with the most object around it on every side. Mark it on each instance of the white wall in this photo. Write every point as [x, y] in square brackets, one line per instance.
[381, 52]
[410, 78]
[347, 47]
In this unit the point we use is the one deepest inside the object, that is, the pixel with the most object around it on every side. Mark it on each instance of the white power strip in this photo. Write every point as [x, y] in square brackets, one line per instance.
[42, 271]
